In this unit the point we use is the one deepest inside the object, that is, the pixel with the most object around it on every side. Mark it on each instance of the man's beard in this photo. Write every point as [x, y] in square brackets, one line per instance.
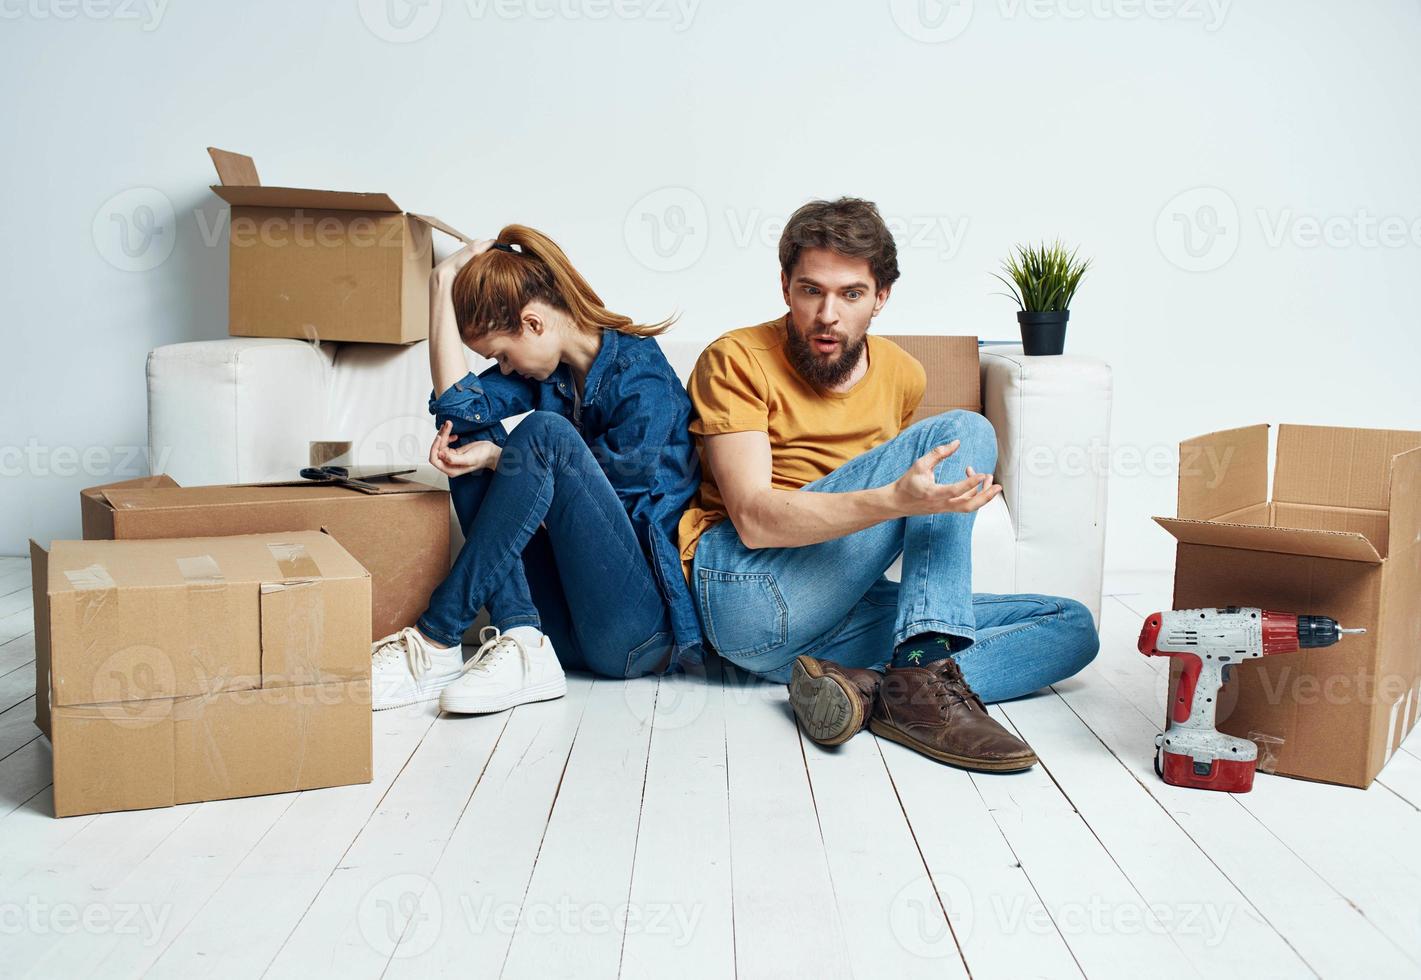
[814, 368]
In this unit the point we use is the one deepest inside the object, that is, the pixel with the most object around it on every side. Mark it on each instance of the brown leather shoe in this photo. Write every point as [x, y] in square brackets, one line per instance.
[832, 703]
[932, 710]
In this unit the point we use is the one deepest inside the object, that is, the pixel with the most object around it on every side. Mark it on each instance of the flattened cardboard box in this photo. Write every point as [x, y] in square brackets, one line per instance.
[1341, 537]
[400, 535]
[176, 670]
[953, 367]
[323, 265]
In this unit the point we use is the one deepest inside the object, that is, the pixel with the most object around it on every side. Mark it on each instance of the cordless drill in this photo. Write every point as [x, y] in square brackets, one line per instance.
[1208, 642]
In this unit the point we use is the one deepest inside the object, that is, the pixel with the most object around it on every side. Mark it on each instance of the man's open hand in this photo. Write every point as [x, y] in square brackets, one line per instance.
[918, 492]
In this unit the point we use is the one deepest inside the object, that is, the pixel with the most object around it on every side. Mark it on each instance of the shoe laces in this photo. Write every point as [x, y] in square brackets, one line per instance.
[492, 649]
[951, 687]
[407, 645]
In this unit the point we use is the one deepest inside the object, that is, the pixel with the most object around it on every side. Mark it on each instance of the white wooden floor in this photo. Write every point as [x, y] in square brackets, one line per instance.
[685, 829]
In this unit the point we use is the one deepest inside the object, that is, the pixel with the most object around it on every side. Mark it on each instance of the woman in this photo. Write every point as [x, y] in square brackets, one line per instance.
[569, 520]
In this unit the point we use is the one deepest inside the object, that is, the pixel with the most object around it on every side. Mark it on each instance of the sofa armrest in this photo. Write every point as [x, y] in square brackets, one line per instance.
[239, 410]
[1052, 417]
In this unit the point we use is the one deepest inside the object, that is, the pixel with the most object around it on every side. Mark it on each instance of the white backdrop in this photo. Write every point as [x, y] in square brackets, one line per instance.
[1244, 174]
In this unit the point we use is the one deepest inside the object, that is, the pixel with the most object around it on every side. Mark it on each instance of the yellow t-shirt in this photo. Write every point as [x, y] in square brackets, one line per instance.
[744, 382]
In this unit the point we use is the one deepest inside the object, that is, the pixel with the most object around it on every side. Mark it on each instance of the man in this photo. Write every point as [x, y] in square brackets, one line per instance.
[814, 483]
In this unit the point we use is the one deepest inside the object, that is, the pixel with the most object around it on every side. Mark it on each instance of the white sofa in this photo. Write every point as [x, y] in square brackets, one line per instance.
[244, 410]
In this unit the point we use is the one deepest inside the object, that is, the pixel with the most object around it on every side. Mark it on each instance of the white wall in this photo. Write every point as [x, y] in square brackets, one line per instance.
[1023, 119]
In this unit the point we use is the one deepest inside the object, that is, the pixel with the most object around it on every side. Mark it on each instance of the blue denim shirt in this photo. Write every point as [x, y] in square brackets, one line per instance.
[635, 417]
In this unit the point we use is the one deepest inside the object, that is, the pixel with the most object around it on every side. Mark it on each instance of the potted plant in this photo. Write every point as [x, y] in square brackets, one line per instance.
[1043, 279]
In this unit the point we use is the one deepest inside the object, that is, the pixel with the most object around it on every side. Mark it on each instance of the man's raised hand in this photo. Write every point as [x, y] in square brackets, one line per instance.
[918, 492]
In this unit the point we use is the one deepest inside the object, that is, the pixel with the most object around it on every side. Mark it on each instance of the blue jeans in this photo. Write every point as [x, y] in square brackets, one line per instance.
[582, 577]
[762, 608]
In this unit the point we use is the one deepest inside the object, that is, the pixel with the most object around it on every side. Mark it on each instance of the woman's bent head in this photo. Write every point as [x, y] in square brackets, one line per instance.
[517, 302]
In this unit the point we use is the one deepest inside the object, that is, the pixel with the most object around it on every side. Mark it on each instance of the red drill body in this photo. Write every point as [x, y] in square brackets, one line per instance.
[1191, 751]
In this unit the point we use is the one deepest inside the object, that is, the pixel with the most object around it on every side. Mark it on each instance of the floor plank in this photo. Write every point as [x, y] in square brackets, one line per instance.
[374, 892]
[576, 909]
[786, 921]
[1402, 776]
[681, 882]
[893, 923]
[1218, 929]
[1108, 925]
[474, 894]
[236, 929]
[998, 919]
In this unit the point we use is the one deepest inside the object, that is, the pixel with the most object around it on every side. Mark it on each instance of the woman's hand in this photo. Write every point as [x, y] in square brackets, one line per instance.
[454, 461]
[444, 273]
[918, 492]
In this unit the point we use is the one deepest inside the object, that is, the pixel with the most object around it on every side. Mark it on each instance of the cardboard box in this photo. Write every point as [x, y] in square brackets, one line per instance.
[323, 265]
[1340, 537]
[400, 534]
[184, 669]
[954, 372]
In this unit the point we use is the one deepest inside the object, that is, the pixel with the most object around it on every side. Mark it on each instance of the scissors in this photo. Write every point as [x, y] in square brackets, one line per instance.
[341, 475]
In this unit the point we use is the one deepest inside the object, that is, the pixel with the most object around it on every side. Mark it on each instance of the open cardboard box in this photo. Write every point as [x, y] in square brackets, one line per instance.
[1341, 537]
[323, 265]
[400, 533]
[182, 669]
[953, 367]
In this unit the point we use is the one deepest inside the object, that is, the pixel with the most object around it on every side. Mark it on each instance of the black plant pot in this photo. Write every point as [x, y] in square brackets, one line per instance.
[1043, 331]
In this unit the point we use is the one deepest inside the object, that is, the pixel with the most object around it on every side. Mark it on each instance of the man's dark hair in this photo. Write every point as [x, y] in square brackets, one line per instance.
[850, 226]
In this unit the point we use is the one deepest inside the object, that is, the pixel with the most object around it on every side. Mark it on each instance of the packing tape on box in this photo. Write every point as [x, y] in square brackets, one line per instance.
[208, 603]
[1270, 747]
[96, 589]
[293, 560]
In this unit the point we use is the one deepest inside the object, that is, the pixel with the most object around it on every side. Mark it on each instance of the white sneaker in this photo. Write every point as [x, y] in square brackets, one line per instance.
[509, 669]
[405, 668]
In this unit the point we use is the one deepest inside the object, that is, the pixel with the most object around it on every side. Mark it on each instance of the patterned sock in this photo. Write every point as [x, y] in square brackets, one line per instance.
[922, 649]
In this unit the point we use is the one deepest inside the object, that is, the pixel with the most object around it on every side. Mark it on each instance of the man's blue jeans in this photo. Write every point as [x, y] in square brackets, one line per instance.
[581, 577]
[764, 607]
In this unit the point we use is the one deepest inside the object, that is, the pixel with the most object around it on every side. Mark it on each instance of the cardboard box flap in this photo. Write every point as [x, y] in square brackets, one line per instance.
[100, 565]
[1404, 532]
[1347, 545]
[438, 225]
[162, 480]
[167, 498]
[1223, 472]
[234, 169]
[1338, 467]
[304, 197]
[242, 187]
[39, 585]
